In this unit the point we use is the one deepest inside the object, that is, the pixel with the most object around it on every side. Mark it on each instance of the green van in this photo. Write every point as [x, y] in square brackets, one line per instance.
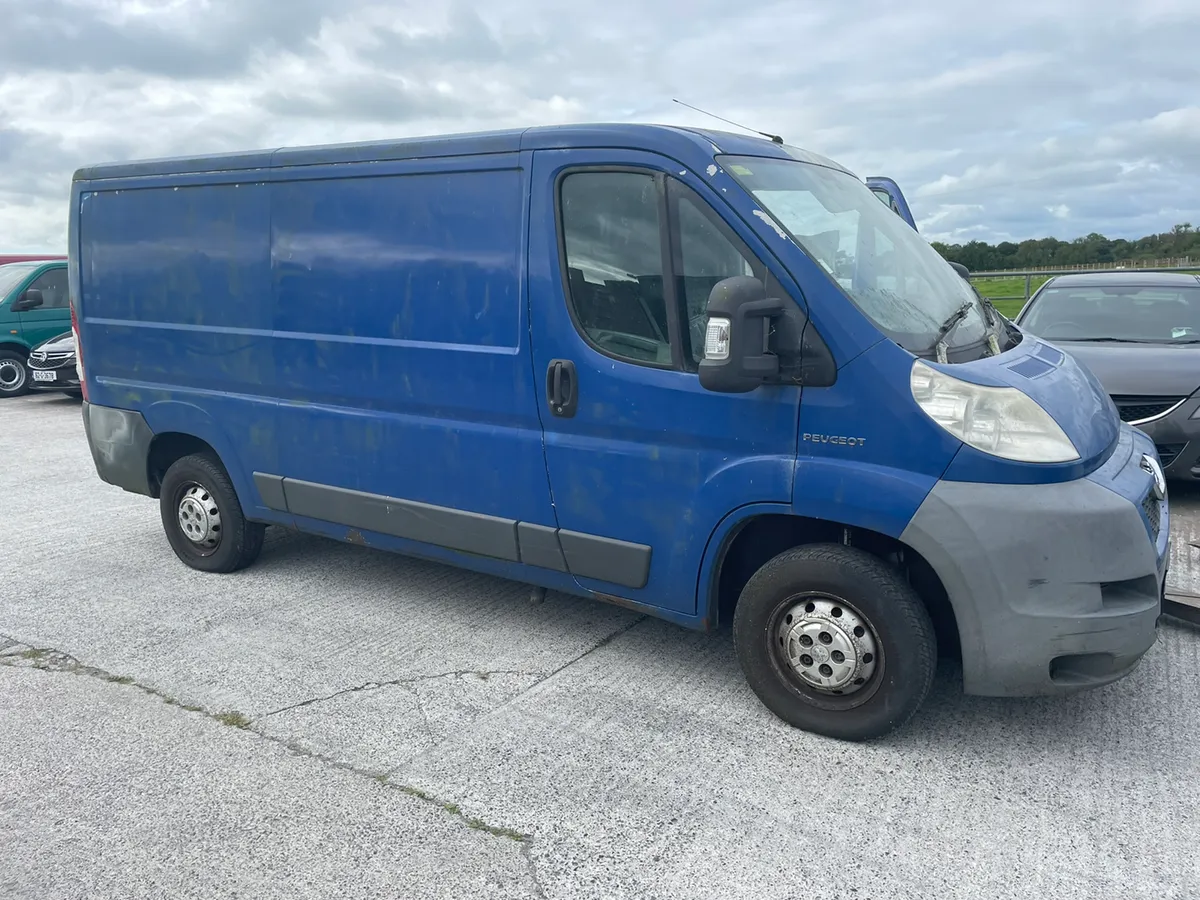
[34, 307]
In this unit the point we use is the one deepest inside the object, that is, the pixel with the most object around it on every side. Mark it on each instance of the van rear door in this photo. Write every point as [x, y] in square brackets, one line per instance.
[643, 462]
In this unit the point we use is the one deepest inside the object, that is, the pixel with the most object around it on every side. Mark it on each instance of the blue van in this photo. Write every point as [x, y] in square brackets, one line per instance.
[703, 376]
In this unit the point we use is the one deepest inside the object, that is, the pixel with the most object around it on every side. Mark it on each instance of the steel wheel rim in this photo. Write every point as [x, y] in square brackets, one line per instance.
[199, 517]
[841, 670]
[12, 375]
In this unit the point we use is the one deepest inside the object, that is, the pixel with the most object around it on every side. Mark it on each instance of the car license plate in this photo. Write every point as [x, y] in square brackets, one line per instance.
[40, 375]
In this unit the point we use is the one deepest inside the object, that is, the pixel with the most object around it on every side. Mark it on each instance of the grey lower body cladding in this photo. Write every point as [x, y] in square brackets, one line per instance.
[582, 555]
[120, 445]
[1056, 588]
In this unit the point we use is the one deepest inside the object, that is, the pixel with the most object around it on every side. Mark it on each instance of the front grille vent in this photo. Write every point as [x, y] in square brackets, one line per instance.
[1138, 409]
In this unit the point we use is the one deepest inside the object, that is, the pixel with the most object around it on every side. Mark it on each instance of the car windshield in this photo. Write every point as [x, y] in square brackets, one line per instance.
[886, 269]
[12, 275]
[1155, 313]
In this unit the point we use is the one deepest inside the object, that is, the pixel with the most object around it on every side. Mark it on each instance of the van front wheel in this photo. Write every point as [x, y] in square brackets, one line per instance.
[835, 641]
[203, 518]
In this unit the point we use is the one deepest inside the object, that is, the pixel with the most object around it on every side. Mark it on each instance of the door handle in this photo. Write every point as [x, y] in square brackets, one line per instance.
[562, 388]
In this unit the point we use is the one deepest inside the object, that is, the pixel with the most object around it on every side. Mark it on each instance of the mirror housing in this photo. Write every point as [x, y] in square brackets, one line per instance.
[961, 270]
[31, 299]
[737, 347]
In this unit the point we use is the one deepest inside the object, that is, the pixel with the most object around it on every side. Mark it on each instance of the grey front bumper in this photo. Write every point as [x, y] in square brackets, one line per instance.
[120, 443]
[1055, 588]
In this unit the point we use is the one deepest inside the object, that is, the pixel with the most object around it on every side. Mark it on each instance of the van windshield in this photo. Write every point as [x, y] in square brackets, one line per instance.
[12, 275]
[885, 267]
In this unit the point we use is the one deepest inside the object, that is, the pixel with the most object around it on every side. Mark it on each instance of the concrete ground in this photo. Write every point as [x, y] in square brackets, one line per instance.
[339, 722]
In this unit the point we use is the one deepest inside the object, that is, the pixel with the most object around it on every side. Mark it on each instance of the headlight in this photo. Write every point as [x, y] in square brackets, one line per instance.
[1004, 422]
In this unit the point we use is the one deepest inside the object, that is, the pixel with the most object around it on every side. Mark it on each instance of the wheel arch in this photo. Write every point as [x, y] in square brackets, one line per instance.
[755, 535]
[168, 448]
[182, 424]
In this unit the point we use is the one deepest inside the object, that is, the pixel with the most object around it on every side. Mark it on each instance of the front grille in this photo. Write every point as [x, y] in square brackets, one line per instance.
[1167, 453]
[39, 359]
[1135, 409]
[1150, 506]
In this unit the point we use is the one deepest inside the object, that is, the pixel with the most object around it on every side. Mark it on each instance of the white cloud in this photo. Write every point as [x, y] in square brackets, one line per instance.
[992, 124]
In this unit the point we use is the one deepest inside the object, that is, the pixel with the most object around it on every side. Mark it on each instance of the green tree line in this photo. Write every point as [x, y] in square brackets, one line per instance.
[1182, 240]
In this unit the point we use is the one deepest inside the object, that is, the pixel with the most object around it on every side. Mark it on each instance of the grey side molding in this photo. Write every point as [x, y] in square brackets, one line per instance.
[582, 555]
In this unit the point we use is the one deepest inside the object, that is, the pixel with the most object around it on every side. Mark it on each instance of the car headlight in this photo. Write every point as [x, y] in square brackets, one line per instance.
[1004, 422]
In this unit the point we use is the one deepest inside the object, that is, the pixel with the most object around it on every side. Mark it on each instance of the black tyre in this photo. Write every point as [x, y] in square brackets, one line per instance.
[203, 518]
[14, 373]
[835, 641]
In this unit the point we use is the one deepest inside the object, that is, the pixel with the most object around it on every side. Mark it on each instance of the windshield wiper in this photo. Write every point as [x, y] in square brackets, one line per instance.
[939, 341]
[1113, 340]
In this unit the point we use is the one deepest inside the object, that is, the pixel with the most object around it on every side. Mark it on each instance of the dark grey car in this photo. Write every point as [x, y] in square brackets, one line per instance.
[1139, 332]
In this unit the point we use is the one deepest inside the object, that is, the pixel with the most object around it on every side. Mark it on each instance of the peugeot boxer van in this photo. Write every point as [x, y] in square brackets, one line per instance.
[703, 376]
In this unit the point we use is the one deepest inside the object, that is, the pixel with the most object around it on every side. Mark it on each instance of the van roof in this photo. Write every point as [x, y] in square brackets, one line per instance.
[671, 140]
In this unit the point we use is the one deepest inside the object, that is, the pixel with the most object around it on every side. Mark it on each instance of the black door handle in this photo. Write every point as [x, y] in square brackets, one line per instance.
[562, 388]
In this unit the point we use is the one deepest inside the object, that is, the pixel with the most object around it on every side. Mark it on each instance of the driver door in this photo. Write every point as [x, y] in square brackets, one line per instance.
[53, 317]
[643, 461]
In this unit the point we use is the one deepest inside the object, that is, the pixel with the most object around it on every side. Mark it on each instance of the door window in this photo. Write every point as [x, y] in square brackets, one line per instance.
[705, 252]
[613, 245]
[53, 285]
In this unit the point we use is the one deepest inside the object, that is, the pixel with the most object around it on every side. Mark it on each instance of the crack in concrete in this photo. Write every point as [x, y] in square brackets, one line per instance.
[16, 654]
[457, 673]
[426, 724]
[604, 642]
[527, 853]
[399, 682]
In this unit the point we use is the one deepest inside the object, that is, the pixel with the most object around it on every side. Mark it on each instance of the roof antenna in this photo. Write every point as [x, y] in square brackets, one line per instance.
[774, 137]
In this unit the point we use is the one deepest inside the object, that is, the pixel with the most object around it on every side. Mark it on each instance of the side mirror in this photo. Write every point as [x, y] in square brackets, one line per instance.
[31, 299]
[961, 270]
[737, 354]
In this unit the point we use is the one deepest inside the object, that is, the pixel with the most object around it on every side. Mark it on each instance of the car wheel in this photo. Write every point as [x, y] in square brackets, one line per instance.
[14, 374]
[835, 641]
[203, 519]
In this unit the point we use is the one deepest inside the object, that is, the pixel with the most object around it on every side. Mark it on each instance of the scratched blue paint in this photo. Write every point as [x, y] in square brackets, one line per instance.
[381, 317]
[402, 342]
[175, 279]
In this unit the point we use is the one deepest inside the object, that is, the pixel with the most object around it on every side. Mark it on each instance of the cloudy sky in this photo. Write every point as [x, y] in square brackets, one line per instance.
[1000, 120]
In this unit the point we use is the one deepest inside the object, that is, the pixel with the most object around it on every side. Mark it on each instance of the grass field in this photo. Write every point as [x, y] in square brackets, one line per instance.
[993, 288]
[1007, 308]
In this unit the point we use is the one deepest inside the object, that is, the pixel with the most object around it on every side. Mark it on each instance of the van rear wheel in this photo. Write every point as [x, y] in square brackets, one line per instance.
[835, 641]
[203, 518]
